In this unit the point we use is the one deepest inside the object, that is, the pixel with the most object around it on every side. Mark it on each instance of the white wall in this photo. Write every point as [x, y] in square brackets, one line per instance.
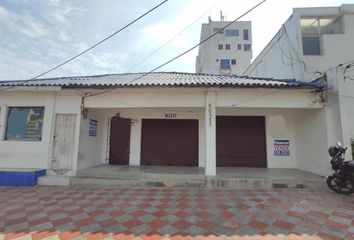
[34, 154]
[90, 147]
[25, 154]
[280, 58]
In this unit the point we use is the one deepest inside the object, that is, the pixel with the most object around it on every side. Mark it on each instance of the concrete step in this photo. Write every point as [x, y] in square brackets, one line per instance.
[51, 180]
[135, 182]
[209, 182]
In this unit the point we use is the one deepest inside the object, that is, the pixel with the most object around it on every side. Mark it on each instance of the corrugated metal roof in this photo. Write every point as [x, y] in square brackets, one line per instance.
[161, 79]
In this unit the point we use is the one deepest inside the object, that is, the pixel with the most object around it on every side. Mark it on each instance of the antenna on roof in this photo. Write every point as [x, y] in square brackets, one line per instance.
[222, 18]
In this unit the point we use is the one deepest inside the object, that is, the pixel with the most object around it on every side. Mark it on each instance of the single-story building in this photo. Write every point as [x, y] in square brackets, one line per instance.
[164, 119]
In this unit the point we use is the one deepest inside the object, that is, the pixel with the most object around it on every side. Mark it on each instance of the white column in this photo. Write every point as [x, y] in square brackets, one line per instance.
[3, 116]
[210, 134]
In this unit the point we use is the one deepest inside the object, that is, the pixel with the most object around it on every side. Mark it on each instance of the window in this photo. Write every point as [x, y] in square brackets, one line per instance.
[239, 46]
[220, 46]
[225, 64]
[233, 61]
[227, 46]
[231, 33]
[312, 28]
[247, 47]
[24, 123]
[245, 34]
[218, 30]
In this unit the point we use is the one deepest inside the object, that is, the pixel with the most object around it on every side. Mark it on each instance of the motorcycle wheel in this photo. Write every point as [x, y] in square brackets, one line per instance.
[340, 186]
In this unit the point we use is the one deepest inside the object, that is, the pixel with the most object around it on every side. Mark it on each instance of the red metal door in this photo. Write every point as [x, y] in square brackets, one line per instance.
[119, 141]
[240, 141]
[169, 142]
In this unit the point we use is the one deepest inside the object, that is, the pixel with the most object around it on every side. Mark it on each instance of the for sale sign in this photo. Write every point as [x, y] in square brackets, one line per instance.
[281, 148]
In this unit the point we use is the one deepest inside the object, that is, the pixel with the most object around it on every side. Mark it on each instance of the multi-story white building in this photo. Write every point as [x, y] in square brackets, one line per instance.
[310, 42]
[229, 52]
[316, 42]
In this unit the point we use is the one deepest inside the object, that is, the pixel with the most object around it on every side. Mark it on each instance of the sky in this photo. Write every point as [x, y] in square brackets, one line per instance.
[38, 35]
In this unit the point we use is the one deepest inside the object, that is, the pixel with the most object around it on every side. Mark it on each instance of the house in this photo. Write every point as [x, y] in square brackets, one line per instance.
[229, 52]
[165, 118]
[311, 43]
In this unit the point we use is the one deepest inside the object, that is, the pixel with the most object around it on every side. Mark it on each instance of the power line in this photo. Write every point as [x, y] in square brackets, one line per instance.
[185, 52]
[88, 49]
[171, 39]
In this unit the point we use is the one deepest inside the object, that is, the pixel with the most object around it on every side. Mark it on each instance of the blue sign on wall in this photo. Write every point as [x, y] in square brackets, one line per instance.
[92, 128]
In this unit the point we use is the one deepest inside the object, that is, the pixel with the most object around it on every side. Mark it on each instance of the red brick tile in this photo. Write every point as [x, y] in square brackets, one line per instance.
[311, 225]
[318, 214]
[15, 211]
[160, 213]
[258, 224]
[203, 214]
[33, 212]
[180, 237]
[182, 214]
[326, 236]
[343, 215]
[157, 223]
[205, 224]
[337, 225]
[62, 221]
[15, 221]
[108, 223]
[38, 221]
[138, 213]
[124, 235]
[294, 214]
[283, 225]
[181, 224]
[132, 223]
[43, 234]
[84, 222]
[69, 235]
[96, 236]
[96, 213]
[15, 235]
[228, 215]
[154, 236]
[232, 224]
[117, 213]
[54, 212]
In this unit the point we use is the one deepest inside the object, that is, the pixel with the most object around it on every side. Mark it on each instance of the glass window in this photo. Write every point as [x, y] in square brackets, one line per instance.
[233, 61]
[312, 28]
[245, 34]
[220, 46]
[239, 46]
[24, 123]
[225, 63]
[227, 46]
[219, 30]
[232, 33]
[247, 47]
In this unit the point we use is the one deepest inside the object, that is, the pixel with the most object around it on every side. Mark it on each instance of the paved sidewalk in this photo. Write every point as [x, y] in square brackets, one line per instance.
[173, 213]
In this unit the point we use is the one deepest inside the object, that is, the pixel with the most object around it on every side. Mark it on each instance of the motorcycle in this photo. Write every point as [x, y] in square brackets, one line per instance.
[342, 180]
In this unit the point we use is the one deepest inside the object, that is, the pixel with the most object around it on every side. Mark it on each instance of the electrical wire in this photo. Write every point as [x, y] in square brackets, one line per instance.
[185, 52]
[88, 49]
[171, 39]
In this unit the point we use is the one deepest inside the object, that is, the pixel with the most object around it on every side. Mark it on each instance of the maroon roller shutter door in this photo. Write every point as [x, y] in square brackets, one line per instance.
[169, 142]
[240, 141]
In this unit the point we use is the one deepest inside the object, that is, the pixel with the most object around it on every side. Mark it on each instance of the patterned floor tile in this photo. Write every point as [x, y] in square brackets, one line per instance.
[173, 213]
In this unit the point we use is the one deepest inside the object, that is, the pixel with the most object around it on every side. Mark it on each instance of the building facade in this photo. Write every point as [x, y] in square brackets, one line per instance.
[317, 42]
[229, 52]
[164, 119]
